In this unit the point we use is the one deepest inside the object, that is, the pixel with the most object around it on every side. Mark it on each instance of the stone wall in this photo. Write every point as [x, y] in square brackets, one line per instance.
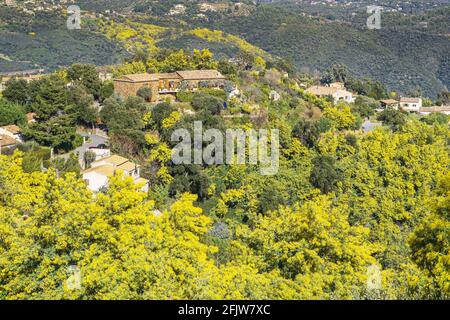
[128, 89]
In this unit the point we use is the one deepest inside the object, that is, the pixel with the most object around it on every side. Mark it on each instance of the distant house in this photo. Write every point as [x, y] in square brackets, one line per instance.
[167, 84]
[97, 176]
[104, 73]
[389, 104]
[435, 109]
[411, 104]
[12, 131]
[335, 90]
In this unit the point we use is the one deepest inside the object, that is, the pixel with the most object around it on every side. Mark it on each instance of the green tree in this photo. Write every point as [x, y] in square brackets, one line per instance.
[16, 91]
[365, 106]
[11, 113]
[106, 90]
[207, 102]
[430, 242]
[51, 97]
[395, 119]
[82, 106]
[335, 73]
[324, 174]
[87, 76]
[307, 131]
[58, 132]
[443, 98]
[118, 114]
[145, 93]
[89, 157]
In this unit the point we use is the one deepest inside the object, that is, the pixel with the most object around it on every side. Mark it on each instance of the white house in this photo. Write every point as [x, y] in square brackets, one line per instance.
[411, 104]
[335, 90]
[97, 176]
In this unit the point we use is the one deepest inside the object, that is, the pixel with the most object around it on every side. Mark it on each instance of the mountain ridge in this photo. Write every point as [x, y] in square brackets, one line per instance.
[402, 55]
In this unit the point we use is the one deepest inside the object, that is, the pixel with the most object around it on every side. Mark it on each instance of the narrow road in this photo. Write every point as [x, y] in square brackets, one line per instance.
[92, 140]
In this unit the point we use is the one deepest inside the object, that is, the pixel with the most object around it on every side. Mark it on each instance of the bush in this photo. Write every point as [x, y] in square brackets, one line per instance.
[208, 103]
[145, 93]
[436, 118]
[11, 113]
[395, 119]
[324, 174]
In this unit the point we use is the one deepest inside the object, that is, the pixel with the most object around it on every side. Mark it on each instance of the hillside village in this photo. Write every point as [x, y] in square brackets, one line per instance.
[156, 88]
[89, 181]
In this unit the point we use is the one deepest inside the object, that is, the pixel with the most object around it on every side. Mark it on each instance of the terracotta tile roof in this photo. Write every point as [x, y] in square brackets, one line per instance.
[139, 77]
[325, 91]
[12, 128]
[321, 91]
[105, 170]
[200, 75]
[105, 69]
[389, 101]
[185, 75]
[410, 100]
[117, 162]
[114, 160]
[127, 166]
[435, 109]
[337, 85]
[163, 76]
[6, 141]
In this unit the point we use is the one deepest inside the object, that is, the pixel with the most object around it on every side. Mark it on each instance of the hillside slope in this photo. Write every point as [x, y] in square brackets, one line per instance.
[402, 55]
[402, 59]
[32, 42]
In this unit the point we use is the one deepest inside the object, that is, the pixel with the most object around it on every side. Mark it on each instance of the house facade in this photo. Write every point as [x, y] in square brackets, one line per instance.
[335, 90]
[411, 104]
[167, 84]
[97, 176]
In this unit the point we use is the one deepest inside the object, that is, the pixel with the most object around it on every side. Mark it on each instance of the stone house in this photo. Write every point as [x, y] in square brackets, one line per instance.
[164, 85]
